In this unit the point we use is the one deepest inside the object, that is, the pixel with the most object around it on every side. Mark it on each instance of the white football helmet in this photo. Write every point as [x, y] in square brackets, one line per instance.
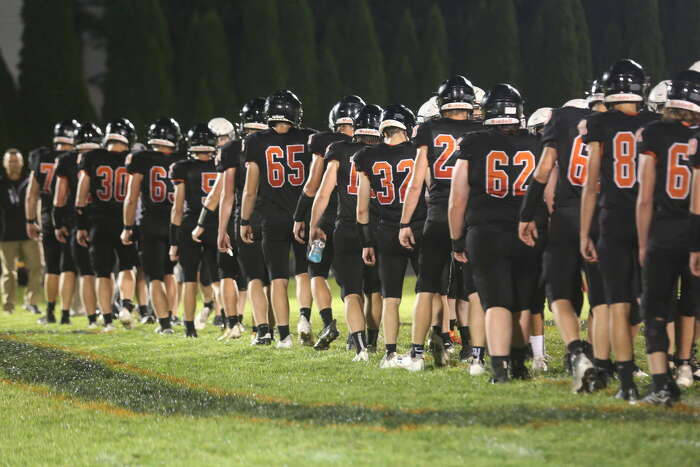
[538, 119]
[578, 103]
[695, 66]
[428, 111]
[657, 96]
[221, 127]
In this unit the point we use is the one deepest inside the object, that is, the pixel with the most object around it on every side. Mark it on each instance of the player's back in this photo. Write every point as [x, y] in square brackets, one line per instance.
[348, 180]
[42, 161]
[198, 177]
[156, 188]
[108, 182]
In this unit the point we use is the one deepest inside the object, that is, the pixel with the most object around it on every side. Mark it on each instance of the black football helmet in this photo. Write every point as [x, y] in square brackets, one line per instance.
[456, 93]
[120, 130]
[684, 92]
[625, 81]
[344, 111]
[502, 105]
[367, 120]
[164, 132]
[64, 132]
[283, 106]
[595, 95]
[200, 138]
[88, 136]
[400, 116]
[252, 116]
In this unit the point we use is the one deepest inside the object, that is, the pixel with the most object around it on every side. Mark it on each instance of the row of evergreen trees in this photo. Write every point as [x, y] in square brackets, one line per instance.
[202, 58]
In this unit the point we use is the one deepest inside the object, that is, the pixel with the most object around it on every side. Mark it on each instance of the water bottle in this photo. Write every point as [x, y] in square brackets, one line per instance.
[316, 251]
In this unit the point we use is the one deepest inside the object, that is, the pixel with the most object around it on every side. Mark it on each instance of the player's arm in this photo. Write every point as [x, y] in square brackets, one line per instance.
[457, 207]
[550, 190]
[695, 223]
[362, 214]
[226, 204]
[415, 186]
[527, 229]
[307, 197]
[176, 220]
[323, 196]
[132, 198]
[30, 207]
[60, 208]
[211, 202]
[589, 196]
[81, 202]
[250, 195]
[645, 201]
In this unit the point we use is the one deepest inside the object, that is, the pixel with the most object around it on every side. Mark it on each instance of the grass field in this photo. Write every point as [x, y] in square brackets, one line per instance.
[75, 397]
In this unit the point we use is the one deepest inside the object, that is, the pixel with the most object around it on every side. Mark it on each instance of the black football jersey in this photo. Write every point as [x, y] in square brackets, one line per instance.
[157, 189]
[284, 161]
[67, 167]
[318, 144]
[42, 161]
[441, 136]
[199, 177]
[500, 168]
[108, 182]
[389, 169]
[561, 132]
[617, 132]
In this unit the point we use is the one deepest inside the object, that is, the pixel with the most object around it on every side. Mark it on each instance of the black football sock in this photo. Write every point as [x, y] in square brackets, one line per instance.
[500, 365]
[478, 353]
[189, 327]
[50, 307]
[65, 315]
[437, 329]
[126, 303]
[363, 335]
[464, 335]
[107, 317]
[239, 319]
[284, 331]
[305, 312]
[359, 340]
[372, 336]
[518, 355]
[417, 350]
[659, 382]
[164, 323]
[263, 329]
[143, 310]
[92, 319]
[446, 339]
[390, 348]
[625, 373]
[327, 316]
[209, 304]
[230, 322]
[453, 324]
[255, 329]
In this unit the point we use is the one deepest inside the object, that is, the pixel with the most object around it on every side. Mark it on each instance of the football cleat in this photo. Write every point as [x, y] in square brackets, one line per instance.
[218, 321]
[191, 334]
[65, 319]
[304, 330]
[47, 319]
[410, 363]
[371, 348]
[224, 335]
[662, 398]
[125, 318]
[264, 340]
[200, 321]
[437, 348]
[361, 356]
[328, 335]
[389, 361]
[449, 348]
[164, 332]
[109, 328]
[465, 354]
[582, 370]
[477, 367]
[285, 343]
[92, 325]
[240, 327]
[539, 365]
[631, 395]
[176, 321]
[638, 373]
[254, 339]
[684, 376]
[33, 308]
[148, 319]
[520, 371]
[235, 332]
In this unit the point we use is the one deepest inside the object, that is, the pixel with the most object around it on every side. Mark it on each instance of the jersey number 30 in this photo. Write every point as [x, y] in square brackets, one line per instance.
[498, 181]
[113, 183]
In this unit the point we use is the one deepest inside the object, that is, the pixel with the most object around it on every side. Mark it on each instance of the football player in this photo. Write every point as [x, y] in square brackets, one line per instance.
[103, 183]
[596, 97]
[250, 256]
[437, 142]
[356, 279]
[88, 137]
[658, 96]
[340, 123]
[149, 184]
[489, 180]
[612, 161]
[386, 169]
[42, 164]
[664, 232]
[193, 179]
[565, 154]
[278, 160]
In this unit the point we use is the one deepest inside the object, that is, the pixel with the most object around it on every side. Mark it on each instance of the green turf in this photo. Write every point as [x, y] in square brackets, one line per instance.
[73, 397]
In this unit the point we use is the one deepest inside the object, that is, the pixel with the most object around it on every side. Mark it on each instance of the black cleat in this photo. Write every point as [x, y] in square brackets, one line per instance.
[33, 308]
[65, 319]
[503, 378]
[218, 321]
[595, 380]
[371, 348]
[567, 363]
[47, 319]
[263, 340]
[175, 321]
[631, 395]
[191, 334]
[662, 398]
[148, 319]
[520, 371]
[437, 348]
[464, 354]
[328, 335]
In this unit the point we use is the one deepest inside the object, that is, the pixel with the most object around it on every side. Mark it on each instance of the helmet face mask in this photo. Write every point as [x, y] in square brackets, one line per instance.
[456, 93]
[283, 107]
[252, 116]
[625, 81]
[344, 111]
[502, 105]
[89, 136]
[164, 132]
[121, 131]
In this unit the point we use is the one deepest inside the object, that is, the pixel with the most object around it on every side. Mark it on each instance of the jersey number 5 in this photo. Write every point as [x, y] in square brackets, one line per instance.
[278, 171]
[112, 183]
[497, 178]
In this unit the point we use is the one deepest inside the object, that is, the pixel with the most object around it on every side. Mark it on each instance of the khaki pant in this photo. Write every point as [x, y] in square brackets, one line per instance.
[27, 251]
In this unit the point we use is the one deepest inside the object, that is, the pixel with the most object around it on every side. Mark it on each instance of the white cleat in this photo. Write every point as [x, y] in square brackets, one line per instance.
[125, 318]
[225, 336]
[477, 367]
[164, 332]
[235, 332]
[241, 328]
[684, 376]
[539, 364]
[109, 328]
[200, 322]
[409, 363]
[306, 336]
[581, 367]
[92, 326]
[389, 361]
[254, 339]
[361, 356]
[285, 343]
[640, 374]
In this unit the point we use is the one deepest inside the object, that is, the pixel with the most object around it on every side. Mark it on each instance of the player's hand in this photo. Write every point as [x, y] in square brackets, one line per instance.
[316, 233]
[368, 256]
[223, 242]
[695, 263]
[126, 237]
[81, 237]
[173, 253]
[33, 231]
[588, 250]
[61, 234]
[247, 233]
[196, 233]
[460, 256]
[299, 231]
[406, 238]
[527, 231]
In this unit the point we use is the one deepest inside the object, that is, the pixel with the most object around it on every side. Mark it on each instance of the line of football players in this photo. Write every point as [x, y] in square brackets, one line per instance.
[492, 214]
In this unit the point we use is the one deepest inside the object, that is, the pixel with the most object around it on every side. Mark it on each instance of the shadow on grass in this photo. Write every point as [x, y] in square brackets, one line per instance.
[91, 381]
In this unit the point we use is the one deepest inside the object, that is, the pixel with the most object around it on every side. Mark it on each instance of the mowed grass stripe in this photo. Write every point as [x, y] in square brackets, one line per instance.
[97, 383]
